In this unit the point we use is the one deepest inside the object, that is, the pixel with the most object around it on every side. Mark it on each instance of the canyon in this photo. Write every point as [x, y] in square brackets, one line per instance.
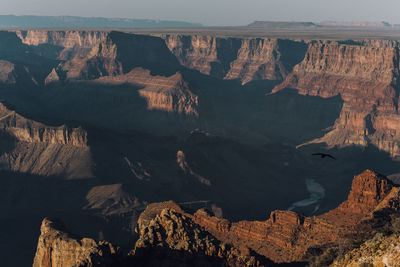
[101, 125]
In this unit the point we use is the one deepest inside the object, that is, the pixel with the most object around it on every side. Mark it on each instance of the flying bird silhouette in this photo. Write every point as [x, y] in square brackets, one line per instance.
[323, 155]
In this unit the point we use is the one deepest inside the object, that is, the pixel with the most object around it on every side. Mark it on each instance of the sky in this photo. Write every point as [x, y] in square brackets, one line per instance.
[213, 12]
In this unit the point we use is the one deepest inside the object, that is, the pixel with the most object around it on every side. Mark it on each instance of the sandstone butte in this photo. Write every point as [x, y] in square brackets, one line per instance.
[167, 229]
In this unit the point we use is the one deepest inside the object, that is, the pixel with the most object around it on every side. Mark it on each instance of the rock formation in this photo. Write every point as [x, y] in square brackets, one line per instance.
[169, 235]
[168, 239]
[286, 236]
[40, 149]
[366, 75]
[172, 238]
[183, 164]
[169, 94]
[232, 58]
[378, 251]
[56, 247]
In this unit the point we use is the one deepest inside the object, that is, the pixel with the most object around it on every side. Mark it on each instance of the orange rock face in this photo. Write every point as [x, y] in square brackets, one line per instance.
[286, 236]
[56, 247]
[366, 75]
[169, 94]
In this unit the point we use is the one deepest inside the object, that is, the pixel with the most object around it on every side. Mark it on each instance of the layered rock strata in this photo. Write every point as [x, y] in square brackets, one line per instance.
[286, 236]
[232, 58]
[170, 94]
[169, 235]
[56, 247]
[169, 239]
[36, 148]
[366, 75]
[177, 235]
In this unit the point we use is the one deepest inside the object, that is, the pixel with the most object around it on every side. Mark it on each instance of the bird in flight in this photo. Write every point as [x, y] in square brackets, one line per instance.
[323, 155]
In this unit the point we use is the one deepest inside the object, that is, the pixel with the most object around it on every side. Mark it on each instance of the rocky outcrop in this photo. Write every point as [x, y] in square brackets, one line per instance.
[166, 238]
[26, 130]
[33, 147]
[170, 94]
[170, 235]
[265, 59]
[184, 166]
[286, 236]
[7, 72]
[62, 45]
[68, 39]
[232, 58]
[208, 54]
[12, 75]
[117, 53]
[111, 199]
[378, 251]
[172, 238]
[56, 247]
[366, 75]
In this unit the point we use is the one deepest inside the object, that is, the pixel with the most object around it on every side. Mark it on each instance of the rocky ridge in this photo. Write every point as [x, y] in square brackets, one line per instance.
[378, 251]
[233, 58]
[201, 238]
[56, 247]
[366, 76]
[171, 94]
[34, 147]
[169, 239]
[286, 236]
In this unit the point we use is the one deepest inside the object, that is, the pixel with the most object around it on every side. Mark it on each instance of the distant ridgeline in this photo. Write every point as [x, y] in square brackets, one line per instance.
[7, 21]
[307, 24]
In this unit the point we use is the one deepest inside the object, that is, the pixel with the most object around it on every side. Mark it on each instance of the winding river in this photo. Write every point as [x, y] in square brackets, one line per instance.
[317, 192]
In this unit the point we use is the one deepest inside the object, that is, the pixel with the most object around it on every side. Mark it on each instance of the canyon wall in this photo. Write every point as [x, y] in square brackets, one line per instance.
[170, 235]
[366, 75]
[36, 148]
[170, 94]
[286, 236]
[235, 58]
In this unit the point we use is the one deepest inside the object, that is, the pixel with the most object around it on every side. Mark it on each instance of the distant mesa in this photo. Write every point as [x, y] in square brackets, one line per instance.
[323, 24]
[12, 21]
[281, 24]
[368, 24]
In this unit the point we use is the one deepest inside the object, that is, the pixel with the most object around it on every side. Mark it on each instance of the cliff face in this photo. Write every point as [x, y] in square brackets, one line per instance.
[170, 94]
[176, 234]
[58, 248]
[207, 54]
[170, 235]
[67, 39]
[113, 53]
[366, 75]
[265, 59]
[286, 236]
[232, 58]
[26, 130]
[167, 239]
[40, 149]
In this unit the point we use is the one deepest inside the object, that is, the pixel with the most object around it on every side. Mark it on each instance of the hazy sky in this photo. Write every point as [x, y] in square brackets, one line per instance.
[214, 12]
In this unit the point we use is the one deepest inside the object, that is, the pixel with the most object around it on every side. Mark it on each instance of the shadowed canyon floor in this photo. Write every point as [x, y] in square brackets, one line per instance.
[96, 125]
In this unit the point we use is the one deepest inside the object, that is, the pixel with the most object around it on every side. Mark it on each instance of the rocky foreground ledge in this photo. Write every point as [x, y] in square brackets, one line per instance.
[171, 236]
